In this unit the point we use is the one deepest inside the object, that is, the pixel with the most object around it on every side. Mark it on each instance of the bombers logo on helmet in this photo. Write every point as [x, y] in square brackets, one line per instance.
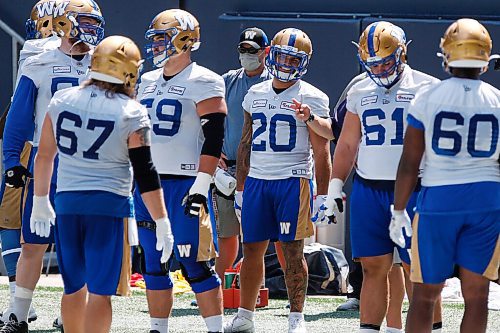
[382, 43]
[39, 25]
[466, 44]
[171, 32]
[289, 55]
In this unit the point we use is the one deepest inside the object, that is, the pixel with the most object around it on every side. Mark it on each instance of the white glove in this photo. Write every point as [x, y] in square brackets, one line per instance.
[399, 221]
[319, 211]
[164, 238]
[197, 195]
[238, 203]
[334, 203]
[42, 216]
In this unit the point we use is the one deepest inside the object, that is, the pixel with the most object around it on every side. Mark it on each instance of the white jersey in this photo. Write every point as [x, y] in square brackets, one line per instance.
[460, 118]
[49, 72]
[177, 136]
[280, 142]
[382, 114]
[91, 132]
[33, 47]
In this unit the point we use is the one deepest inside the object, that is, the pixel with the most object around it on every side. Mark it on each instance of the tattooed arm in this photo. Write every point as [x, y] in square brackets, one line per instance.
[243, 159]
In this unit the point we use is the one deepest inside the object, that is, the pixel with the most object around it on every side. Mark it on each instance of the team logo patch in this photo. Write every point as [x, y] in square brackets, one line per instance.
[150, 89]
[299, 172]
[404, 97]
[188, 166]
[286, 106]
[61, 69]
[369, 100]
[176, 90]
[259, 103]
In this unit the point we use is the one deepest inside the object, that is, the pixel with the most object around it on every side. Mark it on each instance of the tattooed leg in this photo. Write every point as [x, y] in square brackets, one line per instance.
[295, 274]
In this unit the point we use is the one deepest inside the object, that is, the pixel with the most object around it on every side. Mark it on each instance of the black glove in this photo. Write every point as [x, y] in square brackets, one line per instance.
[16, 176]
[193, 203]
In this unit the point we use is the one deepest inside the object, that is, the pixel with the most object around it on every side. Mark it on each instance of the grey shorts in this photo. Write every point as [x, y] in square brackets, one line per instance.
[225, 218]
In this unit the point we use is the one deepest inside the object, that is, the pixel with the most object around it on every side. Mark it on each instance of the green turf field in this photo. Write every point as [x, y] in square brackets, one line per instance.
[130, 314]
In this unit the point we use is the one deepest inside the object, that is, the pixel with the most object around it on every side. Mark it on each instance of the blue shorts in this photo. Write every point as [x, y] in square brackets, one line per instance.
[92, 250]
[443, 239]
[28, 236]
[194, 237]
[370, 218]
[276, 210]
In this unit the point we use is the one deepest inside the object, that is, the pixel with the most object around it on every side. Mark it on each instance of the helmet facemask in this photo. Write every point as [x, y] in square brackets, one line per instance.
[286, 63]
[161, 47]
[86, 31]
[389, 76]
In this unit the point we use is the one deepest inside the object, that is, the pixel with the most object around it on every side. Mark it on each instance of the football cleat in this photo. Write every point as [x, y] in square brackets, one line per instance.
[239, 324]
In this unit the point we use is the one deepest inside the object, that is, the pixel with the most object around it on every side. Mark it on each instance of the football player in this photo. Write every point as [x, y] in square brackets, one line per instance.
[186, 104]
[79, 23]
[39, 38]
[456, 124]
[252, 53]
[372, 139]
[97, 129]
[274, 171]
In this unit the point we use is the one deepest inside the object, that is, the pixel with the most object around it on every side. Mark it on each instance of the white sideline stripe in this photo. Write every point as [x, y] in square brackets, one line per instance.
[7, 252]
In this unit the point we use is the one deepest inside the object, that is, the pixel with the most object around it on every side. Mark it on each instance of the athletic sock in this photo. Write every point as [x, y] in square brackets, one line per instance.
[159, 324]
[214, 323]
[245, 314]
[22, 303]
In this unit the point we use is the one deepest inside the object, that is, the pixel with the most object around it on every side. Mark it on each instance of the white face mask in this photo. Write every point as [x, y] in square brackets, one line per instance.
[249, 62]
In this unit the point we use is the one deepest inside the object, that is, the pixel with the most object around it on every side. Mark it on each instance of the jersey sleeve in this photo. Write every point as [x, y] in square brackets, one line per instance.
[20, 125]
[209, 86]
[319, 104]
[417, 110]
[246, 102]
[136, 119]
[351, 101]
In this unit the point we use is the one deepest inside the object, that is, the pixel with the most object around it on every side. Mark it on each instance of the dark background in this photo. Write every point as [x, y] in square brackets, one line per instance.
[331, 25]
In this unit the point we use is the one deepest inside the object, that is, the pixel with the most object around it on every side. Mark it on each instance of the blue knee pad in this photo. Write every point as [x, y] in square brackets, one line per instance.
[11, 249]
[200, 275]
[155, 273]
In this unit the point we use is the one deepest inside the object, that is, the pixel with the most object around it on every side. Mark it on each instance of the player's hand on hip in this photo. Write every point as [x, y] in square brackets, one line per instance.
[238, 203]
[164, 238]
[302, 111]
[334, 204]
[196, 198]
[17, 176]
[399, 221]
[319, 217]
[42, 216]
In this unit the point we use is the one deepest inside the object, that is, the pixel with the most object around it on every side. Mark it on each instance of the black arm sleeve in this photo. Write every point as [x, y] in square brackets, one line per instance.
[144, 170]
[213, 130]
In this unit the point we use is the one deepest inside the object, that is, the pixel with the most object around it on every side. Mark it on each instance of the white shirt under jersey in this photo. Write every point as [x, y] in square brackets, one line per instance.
[382, 113]
[91, 132]
[460, 118]
[33, 47]
[177, 136]
[280, 142]
[51, 71]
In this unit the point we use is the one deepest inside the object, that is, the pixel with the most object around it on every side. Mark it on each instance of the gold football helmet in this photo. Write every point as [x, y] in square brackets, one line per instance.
[39, 25]
[172, 31]
[116, 59]
[67, 21]
[380, 43]
[289, 55]
[466, 44]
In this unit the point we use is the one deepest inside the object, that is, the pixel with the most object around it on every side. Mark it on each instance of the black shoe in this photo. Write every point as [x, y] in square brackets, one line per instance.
[13, 326]
[58, 324]
[154, 331]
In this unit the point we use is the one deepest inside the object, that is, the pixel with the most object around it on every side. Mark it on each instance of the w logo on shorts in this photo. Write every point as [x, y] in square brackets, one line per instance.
[285, 228]
[184, 250]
